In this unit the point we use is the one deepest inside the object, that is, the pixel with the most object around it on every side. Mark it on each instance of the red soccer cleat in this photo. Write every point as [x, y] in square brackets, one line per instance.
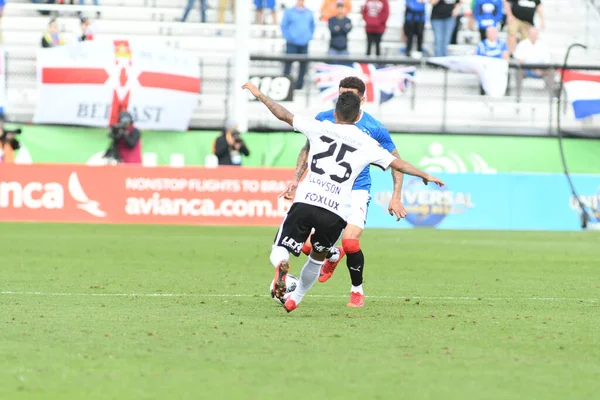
[328, 267]
[290, 305]
[357, 300]
[280, 274]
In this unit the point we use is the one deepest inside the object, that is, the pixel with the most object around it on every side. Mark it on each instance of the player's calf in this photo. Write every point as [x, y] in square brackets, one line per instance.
[355, 260]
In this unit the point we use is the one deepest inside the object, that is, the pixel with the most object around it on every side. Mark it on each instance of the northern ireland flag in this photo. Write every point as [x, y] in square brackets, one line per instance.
[89, 83]
[583, 91]
[381, 83]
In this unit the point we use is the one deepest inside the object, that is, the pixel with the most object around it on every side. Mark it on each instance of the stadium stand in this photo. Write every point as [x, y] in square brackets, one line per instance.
[157, 21]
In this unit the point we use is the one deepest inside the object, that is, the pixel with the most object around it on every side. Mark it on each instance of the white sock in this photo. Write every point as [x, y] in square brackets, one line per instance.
[308, 277]
[357, 289]
[335, 255]
[278, 254]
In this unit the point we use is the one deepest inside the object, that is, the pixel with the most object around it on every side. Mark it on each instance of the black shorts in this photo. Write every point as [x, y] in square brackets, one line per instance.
[300, 220]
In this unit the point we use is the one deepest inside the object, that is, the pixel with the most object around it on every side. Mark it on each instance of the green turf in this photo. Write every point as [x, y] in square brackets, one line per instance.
[470, 315]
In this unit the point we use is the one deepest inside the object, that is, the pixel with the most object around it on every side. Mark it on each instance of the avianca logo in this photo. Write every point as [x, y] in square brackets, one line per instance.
[83, 202]
[50, 196]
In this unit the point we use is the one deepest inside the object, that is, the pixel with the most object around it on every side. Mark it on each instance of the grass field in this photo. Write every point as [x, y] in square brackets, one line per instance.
[147, 312]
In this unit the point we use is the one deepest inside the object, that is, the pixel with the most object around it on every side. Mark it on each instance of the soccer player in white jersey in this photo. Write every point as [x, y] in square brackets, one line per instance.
[338, 153]
[361, 197]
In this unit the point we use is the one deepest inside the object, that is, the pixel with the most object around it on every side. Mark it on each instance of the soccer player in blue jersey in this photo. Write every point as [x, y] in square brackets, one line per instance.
[355, 259]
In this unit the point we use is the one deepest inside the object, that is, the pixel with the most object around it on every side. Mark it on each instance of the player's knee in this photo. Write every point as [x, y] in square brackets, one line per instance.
[352, 232]
[279, 254]
[351, 246]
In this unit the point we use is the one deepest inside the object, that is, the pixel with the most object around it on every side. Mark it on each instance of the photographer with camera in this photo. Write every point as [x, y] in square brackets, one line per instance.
[229, 147]
[126, 146]
[8, 145]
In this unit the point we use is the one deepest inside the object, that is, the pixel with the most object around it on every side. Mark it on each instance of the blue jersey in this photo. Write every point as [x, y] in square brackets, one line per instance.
[489, 49]
[368, 124]
[488, 13]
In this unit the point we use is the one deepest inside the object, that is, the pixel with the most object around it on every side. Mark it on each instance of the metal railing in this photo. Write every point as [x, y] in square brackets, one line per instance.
[432, 101]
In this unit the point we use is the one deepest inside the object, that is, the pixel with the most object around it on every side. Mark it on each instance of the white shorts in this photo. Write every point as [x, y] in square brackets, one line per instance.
[360, 206]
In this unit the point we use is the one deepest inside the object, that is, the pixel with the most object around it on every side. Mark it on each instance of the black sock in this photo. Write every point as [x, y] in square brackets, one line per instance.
[356, 264]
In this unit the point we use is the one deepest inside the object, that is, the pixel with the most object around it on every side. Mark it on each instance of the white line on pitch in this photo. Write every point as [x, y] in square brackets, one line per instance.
[451, 298]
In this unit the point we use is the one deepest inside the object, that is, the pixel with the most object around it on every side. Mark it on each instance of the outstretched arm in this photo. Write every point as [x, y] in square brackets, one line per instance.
[409, 169]
[279, 111]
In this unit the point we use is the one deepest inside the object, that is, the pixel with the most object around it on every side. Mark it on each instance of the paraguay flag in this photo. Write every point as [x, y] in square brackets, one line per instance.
[583, 91]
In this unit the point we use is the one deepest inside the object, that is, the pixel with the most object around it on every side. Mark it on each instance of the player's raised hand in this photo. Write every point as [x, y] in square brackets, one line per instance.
[290, 191]
[252, 88]
[433, 179]
[397, 208]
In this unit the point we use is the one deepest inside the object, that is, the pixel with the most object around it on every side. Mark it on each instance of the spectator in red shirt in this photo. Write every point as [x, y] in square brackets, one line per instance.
[375, 13]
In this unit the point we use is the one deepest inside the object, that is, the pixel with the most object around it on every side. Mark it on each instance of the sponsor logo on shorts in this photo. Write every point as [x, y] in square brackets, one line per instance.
[320, 199]
[319, 248]
[291, 244]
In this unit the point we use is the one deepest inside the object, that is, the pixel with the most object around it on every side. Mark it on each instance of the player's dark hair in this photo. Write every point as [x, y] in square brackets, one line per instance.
[352, 82]
[347, 107]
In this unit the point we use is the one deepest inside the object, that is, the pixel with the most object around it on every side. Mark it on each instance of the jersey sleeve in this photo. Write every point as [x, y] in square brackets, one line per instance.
[307, 126]
[384, 139]
[379, 156]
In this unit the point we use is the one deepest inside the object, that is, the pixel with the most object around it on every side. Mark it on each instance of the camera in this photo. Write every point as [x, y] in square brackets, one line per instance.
[117, 131]
[236, 137]
[14, 143]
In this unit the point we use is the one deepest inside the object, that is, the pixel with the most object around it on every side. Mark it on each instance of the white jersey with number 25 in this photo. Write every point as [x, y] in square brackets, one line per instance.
[338, 153]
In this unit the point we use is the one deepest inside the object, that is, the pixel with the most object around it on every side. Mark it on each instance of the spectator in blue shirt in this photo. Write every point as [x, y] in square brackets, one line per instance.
[298, 28]
[339, 27]
[414, 24]
[492, 46]
[487, 13]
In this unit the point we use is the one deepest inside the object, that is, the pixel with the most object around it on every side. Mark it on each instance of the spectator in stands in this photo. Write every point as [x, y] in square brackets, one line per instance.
[260, 6]
[339, 27]
[443, 20]
[52, 38]
[86, 30]
[534, 51]
[223, 5]
[329, 9]
[229, 146]
[414, 24]
[203, 6]
[487, 13]
[375, 13]
[81, 3]
[492, 46]
[520, 15]
[298, 28]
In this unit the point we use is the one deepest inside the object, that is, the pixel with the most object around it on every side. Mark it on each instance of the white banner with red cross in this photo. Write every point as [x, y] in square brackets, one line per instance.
[89, 83]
